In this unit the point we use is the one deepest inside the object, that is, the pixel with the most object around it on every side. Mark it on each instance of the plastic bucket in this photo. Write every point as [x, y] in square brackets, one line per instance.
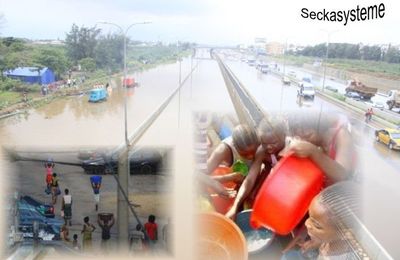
[256, 239]
[222, 204]
[286, 194]
[219, 238]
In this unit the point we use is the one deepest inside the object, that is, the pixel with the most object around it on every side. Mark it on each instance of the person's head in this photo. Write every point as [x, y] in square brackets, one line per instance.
[152, 218]
[139, 227]
[86, 219]
[54, 174]
[332, 212]
[309, 126]
[272, 133]
[75, 237]
[66, 191]
[246, 141]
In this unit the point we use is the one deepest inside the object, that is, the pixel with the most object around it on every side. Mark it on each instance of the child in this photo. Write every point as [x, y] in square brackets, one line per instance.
[330, 225]
[75, 244]
[137, 238]
[151, 229]
[241, 146]
[272, 133]
[49, 166]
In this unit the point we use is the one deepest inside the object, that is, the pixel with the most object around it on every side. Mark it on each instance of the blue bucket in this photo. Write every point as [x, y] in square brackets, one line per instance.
[256, 239]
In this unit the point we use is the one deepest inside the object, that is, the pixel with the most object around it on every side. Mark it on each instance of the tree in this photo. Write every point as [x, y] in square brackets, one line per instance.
[81, 42]
[54, 59]
[392, 55]
[88, 64]
[109, 51]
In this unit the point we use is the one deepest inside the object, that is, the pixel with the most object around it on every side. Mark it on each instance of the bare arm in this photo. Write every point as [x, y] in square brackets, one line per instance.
[220, 154]
[248, 183]
[338, 169]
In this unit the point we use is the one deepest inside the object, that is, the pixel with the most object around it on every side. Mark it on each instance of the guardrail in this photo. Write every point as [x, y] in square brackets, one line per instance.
[247, 108]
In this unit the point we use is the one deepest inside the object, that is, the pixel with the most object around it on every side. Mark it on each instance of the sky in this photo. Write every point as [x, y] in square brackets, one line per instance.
[219, 22]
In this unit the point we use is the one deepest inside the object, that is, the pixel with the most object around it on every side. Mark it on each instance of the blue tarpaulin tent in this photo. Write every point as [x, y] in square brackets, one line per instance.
[32, 75]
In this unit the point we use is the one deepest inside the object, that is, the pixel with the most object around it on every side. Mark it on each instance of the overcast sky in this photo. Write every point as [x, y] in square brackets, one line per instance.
[202, 21]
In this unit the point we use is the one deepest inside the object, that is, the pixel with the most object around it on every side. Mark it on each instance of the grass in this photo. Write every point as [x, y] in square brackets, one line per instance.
[8, 98]
[377, 68]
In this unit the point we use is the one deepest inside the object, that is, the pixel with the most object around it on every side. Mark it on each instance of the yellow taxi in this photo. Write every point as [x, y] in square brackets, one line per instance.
[390, 137]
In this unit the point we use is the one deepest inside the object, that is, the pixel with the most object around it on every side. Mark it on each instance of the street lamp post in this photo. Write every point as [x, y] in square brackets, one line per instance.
[123, 161]
[326, 57]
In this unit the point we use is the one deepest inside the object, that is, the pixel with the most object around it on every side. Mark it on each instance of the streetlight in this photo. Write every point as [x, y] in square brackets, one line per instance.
[326, 55]
[124, 33]
[123, 164]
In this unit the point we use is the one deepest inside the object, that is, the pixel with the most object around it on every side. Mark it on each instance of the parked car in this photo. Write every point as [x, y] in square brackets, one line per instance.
[49, 228]
[353, 95]
[390, 137]
[44, 209]
[143, 161]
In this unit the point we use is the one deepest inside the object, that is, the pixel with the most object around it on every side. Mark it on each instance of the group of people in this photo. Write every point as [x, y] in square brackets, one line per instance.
[139, 242]
[323, 138]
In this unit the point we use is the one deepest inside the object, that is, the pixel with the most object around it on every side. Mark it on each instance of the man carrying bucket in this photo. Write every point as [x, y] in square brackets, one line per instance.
[96, 184]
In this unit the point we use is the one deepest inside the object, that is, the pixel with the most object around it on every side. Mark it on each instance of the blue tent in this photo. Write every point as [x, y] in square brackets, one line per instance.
[31, 75]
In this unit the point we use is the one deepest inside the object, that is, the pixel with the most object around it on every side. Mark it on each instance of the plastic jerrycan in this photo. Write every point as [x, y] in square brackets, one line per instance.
[286, 194]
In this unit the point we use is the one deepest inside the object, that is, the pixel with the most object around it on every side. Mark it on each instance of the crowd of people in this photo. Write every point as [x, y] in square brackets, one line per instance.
[323, 138]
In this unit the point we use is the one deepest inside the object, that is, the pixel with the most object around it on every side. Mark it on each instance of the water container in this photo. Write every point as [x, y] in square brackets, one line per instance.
[286, 194]
[219, 238]
[222, 204]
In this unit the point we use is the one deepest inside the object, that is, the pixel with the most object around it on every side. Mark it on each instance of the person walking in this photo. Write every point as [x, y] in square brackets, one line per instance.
[368, 115]
[87, 231]
[49, 166]
[55, 189]
[96, 185]
[105, 226]
[66, 207]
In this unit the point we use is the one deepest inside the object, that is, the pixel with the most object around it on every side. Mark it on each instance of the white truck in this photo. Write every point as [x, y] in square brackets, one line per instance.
[393, 99]
[306, 89]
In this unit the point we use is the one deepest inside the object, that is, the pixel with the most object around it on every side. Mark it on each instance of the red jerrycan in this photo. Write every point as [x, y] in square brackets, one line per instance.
[286, 194]
[222, 204]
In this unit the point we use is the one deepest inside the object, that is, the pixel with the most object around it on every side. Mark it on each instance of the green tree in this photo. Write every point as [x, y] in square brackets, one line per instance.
[88, 64]
[54, 59]
[392, 55]
[81, 42]
[109, 51]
